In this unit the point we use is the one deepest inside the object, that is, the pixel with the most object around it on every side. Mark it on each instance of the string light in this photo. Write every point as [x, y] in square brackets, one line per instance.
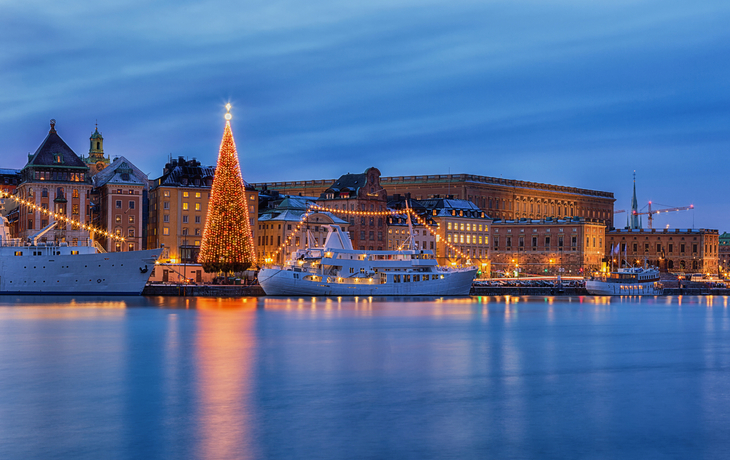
[389, 212]
[227, 243]
[61, 217]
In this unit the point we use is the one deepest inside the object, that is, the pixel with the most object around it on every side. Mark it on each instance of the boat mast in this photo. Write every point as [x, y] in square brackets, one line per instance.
[410, 228]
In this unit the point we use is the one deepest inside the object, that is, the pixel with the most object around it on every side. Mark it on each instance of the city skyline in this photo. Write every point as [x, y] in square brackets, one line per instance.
[552, 93]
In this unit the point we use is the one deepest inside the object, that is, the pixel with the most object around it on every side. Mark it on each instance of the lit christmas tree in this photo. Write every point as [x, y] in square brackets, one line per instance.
[227, 244]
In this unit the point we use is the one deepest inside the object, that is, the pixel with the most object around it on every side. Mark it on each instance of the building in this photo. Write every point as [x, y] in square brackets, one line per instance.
[56, 180]
[723, 252]
[547, 246]
[9, 180]
[461, 229]
[499, 198]
[178, 207]
[96, 161]
[672, 250]
[277, 234]
[120, 197]
[362, 193]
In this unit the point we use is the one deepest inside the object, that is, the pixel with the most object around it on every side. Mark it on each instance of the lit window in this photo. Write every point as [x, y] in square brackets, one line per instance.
[186, 194]
[165, 230]
[166, 193]
[197, 206]
[197, 194]
[185, 206]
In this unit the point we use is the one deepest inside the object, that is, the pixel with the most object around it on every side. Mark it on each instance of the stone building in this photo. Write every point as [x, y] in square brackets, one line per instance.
[178, 207]
[547, 247]
[499, 198]
[360, 192]
[55, 179]
[277, 224]
[120, 197]
[672, 250]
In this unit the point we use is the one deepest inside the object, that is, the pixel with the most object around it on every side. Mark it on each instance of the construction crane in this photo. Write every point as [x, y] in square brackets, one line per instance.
[650, 213]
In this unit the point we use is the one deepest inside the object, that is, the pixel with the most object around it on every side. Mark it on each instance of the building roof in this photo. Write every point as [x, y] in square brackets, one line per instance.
[52, 146]
[349, 182]
[121, 172]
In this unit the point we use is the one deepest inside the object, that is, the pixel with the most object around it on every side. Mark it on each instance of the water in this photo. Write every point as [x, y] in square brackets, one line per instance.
[483, 377]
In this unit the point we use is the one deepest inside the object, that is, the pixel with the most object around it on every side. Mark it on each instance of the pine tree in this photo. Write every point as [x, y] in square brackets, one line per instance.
[227, 244]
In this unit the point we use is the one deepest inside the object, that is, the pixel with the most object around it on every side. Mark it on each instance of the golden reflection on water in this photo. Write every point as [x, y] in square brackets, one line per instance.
[225, 342]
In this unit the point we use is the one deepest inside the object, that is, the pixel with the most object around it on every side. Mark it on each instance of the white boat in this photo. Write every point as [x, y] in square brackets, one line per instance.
[627, 281]
[336, 269]
[35, 267]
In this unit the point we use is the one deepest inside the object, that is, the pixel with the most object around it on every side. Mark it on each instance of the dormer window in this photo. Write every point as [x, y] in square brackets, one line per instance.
[57, 158]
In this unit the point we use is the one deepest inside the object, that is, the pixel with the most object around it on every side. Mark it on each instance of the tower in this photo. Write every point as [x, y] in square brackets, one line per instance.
[635, 224]
[96, 160]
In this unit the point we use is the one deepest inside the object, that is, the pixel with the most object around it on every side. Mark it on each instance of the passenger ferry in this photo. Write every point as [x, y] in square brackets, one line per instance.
[35, 267]
[336, 269]
[627, 281]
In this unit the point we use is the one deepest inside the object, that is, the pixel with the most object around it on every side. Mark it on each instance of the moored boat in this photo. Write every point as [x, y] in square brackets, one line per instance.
[336, 269]
[627, 281]
[35, 267]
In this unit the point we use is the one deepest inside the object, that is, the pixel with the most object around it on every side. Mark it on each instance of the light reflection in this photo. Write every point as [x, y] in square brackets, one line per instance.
[225, 344]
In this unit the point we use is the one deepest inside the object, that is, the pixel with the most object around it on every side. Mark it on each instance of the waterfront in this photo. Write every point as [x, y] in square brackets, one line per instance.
[480, 377]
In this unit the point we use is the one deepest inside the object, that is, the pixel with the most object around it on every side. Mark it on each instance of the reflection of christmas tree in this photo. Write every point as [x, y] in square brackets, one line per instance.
[227, 243]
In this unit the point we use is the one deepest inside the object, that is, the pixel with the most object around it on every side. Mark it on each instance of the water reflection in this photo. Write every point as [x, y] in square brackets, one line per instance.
[499, 377]
[225, 343]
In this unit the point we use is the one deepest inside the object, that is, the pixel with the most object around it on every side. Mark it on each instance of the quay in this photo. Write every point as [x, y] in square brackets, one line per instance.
[257, 291]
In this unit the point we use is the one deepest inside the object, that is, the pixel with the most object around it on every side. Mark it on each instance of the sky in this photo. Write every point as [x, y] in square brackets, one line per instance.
[575, 93]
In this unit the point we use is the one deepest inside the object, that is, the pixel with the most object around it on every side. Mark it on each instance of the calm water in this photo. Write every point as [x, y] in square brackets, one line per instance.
[485, 377]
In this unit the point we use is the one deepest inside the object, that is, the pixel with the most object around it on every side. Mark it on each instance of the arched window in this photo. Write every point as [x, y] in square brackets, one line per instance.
[98, 144]
[44, 193]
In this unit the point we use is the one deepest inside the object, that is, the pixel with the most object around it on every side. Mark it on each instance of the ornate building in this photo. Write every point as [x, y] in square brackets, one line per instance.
[499, 198]
[56, 179]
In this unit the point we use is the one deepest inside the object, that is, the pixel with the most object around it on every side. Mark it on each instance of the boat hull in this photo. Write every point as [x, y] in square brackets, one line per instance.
[114, 273]
[595, 287]
[280, 282]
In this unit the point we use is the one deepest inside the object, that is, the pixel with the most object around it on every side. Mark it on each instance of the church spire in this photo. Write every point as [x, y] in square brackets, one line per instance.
[635, 223]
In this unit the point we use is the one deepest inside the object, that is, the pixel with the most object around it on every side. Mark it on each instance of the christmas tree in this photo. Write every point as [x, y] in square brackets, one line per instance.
[227, 244]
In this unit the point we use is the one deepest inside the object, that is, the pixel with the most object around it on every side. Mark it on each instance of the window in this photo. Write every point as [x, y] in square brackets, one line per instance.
[118, 219]
[166, 218]
[185, 219]
[166, 193]
[197, 195]
[197, 232]
[197, 206]
[165, 230]
[185, 231]
[185, 206]
[186, 194]
[75, 193]
[131, 232]
[131, 204]
[131, 219]
[197, 219]
[74, 209]
[166, 205]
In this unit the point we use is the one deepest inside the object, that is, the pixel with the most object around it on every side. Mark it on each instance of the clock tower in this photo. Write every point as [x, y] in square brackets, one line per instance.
[96, 159]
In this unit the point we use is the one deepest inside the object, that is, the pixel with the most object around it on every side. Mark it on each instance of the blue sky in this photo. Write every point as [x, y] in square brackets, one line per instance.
[567, 92]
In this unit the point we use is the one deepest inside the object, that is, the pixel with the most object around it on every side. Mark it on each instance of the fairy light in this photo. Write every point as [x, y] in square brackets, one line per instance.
[389, 212]
[60, 217]
[227, 243]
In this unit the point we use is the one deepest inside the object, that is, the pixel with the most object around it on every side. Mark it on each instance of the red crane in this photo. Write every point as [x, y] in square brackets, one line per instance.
[651, 212]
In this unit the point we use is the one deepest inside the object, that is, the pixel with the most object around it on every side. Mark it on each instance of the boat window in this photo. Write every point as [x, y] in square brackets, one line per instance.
[416, 278]
[396, 278]
[406, 278]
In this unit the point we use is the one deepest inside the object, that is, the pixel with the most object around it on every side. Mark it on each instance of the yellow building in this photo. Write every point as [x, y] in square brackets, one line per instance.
[178, 207]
